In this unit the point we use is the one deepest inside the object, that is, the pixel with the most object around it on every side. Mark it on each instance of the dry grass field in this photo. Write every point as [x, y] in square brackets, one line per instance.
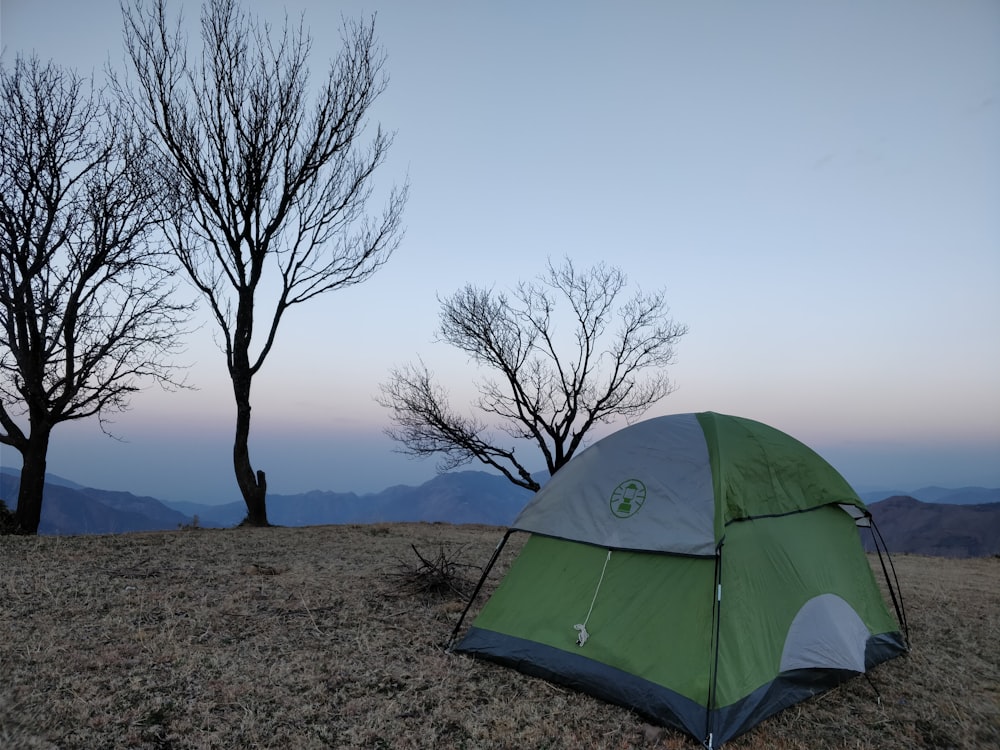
[310, 638]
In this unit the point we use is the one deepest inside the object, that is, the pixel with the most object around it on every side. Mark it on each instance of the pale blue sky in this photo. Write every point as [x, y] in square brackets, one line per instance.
[816, 185]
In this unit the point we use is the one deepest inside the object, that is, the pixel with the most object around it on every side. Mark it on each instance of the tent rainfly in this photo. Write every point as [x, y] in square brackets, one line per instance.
[703, 570]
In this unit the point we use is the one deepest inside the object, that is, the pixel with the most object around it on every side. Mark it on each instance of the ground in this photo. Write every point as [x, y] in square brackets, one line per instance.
[318, 637]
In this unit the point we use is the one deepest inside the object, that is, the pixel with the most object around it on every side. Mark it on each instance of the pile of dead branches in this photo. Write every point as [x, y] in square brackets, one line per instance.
[440, 576]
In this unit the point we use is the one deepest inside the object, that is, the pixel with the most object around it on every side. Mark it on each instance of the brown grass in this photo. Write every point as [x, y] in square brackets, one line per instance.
[304, 638]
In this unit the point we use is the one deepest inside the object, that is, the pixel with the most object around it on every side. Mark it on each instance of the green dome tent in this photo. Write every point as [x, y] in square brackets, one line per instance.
[704, 570]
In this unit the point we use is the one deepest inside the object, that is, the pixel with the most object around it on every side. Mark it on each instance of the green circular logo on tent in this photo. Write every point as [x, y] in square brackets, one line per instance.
[627, 498]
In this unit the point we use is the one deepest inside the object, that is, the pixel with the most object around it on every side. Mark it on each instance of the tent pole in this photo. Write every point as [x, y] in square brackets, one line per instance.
[894, 591]
[479, 586]
[714, 668]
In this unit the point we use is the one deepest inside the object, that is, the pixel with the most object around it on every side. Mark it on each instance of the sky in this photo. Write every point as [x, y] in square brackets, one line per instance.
[816, 186]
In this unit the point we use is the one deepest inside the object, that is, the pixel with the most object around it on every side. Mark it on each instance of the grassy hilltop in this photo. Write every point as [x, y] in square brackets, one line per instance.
[322, 637]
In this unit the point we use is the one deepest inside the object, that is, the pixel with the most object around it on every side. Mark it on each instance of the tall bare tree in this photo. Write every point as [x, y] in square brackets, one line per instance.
[85, 289]
[549, 389]
[272, 188]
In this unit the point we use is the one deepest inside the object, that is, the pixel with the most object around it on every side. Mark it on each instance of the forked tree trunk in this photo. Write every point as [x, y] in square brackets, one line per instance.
[29, 495]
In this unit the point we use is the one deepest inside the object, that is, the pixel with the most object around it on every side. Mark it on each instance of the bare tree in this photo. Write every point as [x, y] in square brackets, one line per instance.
[85, 291]
[548, 390]
[271, 190]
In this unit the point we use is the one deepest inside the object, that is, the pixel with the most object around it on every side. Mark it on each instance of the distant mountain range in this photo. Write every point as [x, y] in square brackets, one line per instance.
[69, 508]
[457, 497]
[911, 526]
[962, 522]
[961, 496]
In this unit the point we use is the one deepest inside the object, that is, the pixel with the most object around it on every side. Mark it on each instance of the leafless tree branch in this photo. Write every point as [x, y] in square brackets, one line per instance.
[548, 389]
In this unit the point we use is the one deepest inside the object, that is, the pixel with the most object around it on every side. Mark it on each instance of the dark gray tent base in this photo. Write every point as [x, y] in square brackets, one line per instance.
[658, 704]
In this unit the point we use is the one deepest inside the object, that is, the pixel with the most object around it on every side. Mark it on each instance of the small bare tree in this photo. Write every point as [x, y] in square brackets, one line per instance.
[85, 291]
[271, 190]
[547, 390]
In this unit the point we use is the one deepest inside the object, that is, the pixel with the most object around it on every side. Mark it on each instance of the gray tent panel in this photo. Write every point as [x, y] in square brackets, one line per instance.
[645, 488]
[826, 633]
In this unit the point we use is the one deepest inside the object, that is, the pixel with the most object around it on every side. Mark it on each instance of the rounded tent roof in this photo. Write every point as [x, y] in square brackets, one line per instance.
[673, 483]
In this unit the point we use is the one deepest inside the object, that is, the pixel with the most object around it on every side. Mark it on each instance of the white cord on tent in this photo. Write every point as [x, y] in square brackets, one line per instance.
[581, 628]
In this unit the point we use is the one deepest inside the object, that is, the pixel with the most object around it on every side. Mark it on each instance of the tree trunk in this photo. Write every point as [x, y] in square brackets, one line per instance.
[252, 485]
[29, 496]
